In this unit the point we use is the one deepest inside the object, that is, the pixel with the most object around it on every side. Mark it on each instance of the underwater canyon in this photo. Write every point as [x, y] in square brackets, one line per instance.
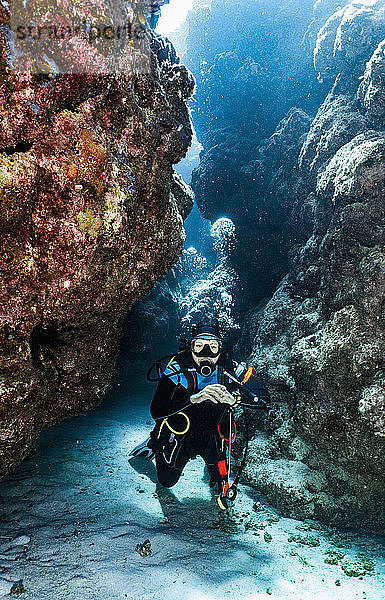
[287, 100]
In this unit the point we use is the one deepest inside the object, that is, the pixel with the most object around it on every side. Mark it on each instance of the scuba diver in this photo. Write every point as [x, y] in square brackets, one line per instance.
[193, 408]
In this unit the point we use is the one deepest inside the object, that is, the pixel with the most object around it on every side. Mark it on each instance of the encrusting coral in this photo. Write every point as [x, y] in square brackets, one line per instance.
[91, 217]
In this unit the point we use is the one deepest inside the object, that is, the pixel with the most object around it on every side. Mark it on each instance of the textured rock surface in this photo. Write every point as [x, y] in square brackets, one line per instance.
[308, 206]
[371, 91]
[319, 341]
[348, 39]
[91, 217]
[244, 90]
[149, 332]
[264, 198]
[337, 121]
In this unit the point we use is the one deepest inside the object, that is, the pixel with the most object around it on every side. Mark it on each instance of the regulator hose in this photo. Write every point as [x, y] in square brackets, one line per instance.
[165, 422]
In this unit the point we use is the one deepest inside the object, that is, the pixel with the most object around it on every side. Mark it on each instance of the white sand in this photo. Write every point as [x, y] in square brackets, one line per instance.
[83, 509]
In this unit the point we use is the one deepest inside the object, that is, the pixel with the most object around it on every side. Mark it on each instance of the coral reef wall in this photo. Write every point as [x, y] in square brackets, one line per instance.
[91, 217]
[250, 75]
[318, 341]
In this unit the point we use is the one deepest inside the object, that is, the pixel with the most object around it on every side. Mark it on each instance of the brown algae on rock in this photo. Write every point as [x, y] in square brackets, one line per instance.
[17, 589]
[333, 556]
[357, 567]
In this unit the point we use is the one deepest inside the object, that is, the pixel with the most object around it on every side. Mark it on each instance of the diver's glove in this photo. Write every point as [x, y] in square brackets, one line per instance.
[216, 393]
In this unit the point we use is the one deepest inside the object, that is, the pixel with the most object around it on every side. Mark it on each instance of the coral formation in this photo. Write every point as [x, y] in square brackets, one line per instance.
[319, 340]
[307, 204]
[91, 217]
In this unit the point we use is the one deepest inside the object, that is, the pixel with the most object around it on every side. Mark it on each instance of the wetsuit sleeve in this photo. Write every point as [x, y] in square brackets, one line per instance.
[169, 398]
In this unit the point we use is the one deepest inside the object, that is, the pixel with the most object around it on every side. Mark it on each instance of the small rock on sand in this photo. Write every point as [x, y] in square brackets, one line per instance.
[144, 549]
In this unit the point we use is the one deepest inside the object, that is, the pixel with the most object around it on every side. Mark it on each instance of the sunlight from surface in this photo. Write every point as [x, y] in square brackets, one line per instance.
[173, 15]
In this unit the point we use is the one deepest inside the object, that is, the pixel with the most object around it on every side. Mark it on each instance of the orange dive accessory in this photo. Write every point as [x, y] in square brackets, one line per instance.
[248, 374]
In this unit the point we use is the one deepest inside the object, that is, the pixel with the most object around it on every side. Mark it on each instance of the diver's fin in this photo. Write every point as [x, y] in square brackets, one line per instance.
[143, 450]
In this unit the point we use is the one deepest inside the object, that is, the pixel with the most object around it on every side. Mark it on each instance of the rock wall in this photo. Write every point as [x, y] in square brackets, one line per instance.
[319, 341]
[91, 217]
[307, 202]
[256, 89]
[266, 201]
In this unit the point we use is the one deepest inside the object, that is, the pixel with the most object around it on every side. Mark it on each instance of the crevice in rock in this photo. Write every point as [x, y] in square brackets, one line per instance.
[20, 147]
[44, 341]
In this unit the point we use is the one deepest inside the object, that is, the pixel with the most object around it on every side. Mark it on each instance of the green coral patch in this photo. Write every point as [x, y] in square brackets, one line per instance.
[333, 556]
[9, 193]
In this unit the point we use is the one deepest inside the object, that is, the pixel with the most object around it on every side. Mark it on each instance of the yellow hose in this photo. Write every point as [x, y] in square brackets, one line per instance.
[165, 422]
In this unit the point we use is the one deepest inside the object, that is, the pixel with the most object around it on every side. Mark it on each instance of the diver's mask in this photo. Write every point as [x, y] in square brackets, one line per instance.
[205, 350]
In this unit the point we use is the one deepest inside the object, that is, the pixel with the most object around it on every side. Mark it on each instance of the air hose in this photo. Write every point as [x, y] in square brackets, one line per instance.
[233, 489]
[165, 422]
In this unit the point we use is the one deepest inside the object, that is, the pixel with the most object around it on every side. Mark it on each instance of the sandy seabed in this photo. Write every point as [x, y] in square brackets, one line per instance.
[73, 514]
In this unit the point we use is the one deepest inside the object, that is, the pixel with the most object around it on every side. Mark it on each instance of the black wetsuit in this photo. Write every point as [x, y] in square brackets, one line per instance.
[203, 438]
